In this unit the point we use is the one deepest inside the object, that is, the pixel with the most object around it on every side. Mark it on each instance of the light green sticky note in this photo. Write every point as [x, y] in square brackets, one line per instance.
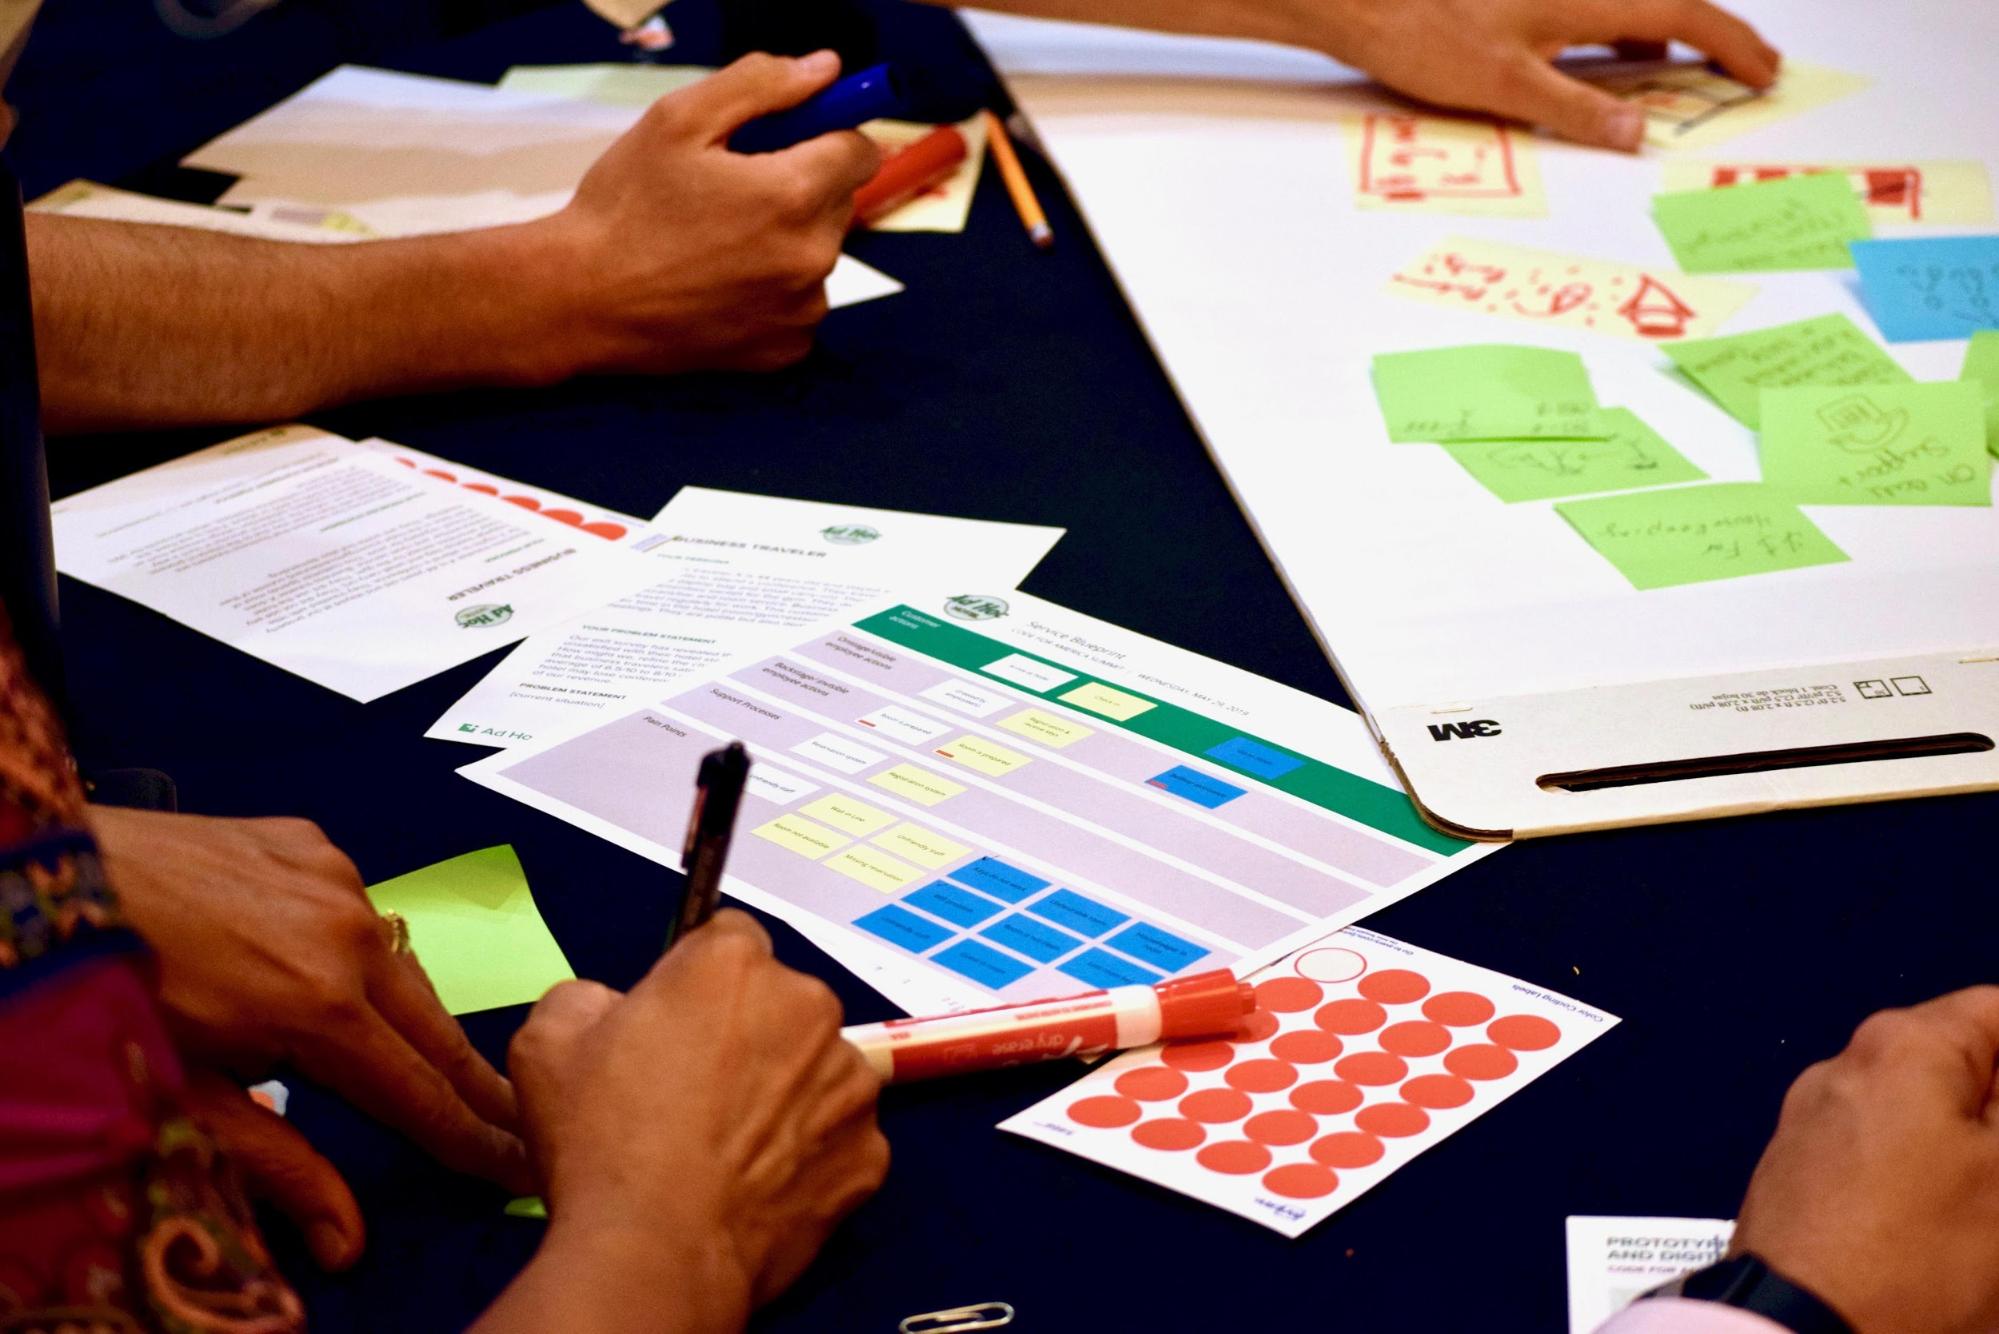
[1827, 350]
[1797, 222]
[1694, 534]
[621, 85]
[527, 1206]
[1632, 455]
[476, 931]
[1486, 391]
[1981, 367]
[1889, 444]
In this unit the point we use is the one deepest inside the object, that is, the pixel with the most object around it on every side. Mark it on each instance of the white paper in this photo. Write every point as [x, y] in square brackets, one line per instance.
[331, 560]
[1133, 784]
[87, 199]
[1364, 1052]
[1613, 1260]
[737, 568]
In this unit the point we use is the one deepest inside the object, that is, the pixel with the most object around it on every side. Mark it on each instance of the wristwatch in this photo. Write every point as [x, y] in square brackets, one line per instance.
[1748, 1284]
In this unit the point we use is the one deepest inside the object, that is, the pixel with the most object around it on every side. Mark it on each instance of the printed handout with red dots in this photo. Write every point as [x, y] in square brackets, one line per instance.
[1363, 1052]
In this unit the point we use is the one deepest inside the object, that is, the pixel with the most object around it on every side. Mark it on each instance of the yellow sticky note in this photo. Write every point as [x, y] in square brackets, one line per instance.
[1038, 725]
[1932, 192]
[1100, 698]
[847, 814]
[921, 846]
[1405, 163]
[1554, 290]
[873, 869]
[1691, 106]
[796, 834]
[945, 206]
[475, 929]
[917, 785]
[988, 757]
[621, 84]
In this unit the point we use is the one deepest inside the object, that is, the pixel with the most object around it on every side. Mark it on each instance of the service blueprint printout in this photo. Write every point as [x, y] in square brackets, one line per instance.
[332, 560]
[735, 569]
[1612, 1261]
[982, 799]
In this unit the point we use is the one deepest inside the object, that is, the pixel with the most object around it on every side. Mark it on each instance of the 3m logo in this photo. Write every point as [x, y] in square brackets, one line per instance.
[1466, 731]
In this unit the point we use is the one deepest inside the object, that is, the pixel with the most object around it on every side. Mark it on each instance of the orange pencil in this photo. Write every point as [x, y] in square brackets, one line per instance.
[1024, 202]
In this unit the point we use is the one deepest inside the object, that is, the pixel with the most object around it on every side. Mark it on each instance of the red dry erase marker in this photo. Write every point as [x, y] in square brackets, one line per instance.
[910, 171]
[1204, 1005]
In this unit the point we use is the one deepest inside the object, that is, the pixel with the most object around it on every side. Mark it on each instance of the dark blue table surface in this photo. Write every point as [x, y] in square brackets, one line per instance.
[1013, 385]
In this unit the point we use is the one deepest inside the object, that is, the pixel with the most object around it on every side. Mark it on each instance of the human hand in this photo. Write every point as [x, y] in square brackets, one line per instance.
[678, 253]
[1880, 1190]
[1493, 55]
[715, 1105]
[269, 950]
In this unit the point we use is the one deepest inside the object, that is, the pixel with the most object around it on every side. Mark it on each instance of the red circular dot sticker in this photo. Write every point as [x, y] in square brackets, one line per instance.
[1104, 1113]
[1347, 1149]
[1394, 986]
[1256, 1026]
[1197, 1055]
[1481, 1062]
[1170, 1135]
[1301, 1181]
[1458, 1009]
[1436, 1091]
[1372, 1067]
[1350, 1017]
[1262, 1076]
[1282, 1127]
[1153, 1083]
[1306, 1046]
[1235, 1157]
[1418, 1037]
[1213, 1106]
[1524, 1032]
[1288, 994]
[1392, 1120]
[1325, 1097]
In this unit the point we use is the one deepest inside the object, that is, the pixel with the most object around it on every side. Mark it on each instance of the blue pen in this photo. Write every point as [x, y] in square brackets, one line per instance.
[853, 101]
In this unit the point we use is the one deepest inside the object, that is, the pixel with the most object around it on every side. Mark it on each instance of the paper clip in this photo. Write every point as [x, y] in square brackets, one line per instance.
[959, 1319]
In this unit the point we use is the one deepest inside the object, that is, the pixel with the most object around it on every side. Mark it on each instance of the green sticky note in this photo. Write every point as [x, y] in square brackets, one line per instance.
[1631, 455]
[1890, 444]
[476, 931]
[1486, 391]
[1798, 222]
[1828, 350]
[527, 1206]
[620, 85]
[1694, 534]
[1981, 367]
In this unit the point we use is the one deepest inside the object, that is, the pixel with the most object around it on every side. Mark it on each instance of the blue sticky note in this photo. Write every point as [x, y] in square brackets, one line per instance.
[1197, 787]
[1156, 947]
[1065, 907]
[990, 875]
[1930, 287]
[1037, 940]
[913, 933]
[1098, 968]
[989, 968]
[940, 898]
[1253, 757]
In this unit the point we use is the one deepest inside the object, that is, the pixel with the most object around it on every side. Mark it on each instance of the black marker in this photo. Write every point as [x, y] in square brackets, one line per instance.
[718, 792]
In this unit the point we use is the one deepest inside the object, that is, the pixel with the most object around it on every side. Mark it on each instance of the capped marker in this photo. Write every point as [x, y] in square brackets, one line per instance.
[910, 171]
[853, 101]
[1211, 1004]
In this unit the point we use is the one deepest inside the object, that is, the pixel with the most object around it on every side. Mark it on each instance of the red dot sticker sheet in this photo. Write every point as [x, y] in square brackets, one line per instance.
[1362, 1052]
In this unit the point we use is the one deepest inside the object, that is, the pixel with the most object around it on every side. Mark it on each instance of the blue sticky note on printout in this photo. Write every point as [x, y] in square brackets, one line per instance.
[1930, 287]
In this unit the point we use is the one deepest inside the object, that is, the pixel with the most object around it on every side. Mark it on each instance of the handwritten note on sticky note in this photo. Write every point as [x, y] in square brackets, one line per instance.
[1690, 106]
[1827, 350]
[1981, 367]
[1695, 534]
[1934, 192]
[1486, 391]
[1631, 455]
[475, 929]
[1799, 222]
[1891, 444]
[1406, 163]
[1941, 287]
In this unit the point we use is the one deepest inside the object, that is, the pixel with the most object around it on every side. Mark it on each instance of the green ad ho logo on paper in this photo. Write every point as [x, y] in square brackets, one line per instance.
[975, 607]
[483, 615]
[850, 534]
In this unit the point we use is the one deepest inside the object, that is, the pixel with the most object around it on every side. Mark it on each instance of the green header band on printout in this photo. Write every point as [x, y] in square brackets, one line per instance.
[1359, 799]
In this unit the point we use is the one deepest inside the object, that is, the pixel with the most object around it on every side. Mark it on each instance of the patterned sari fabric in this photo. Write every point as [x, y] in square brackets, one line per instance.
[116, 1214]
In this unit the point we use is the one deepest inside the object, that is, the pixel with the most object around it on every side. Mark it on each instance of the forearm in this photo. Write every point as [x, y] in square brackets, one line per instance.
[1294, 22]
[638, 1282]
[153, 326]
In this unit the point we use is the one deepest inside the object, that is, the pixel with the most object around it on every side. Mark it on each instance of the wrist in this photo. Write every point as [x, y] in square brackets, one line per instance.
[1746, 1282]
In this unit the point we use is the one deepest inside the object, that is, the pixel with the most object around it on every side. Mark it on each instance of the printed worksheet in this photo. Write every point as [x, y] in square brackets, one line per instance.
[734, 569]
[331, 560]
[979, 799]
[1613, 1260]
[1363, 1051]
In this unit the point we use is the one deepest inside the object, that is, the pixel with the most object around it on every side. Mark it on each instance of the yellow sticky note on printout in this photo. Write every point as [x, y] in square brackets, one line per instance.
[945, 206]
[475, 929]
[988, 757]
[1930, 191]
[1691, 106]
[631, 85]
[1040, 725]
[1443, 164]
[796, 834]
